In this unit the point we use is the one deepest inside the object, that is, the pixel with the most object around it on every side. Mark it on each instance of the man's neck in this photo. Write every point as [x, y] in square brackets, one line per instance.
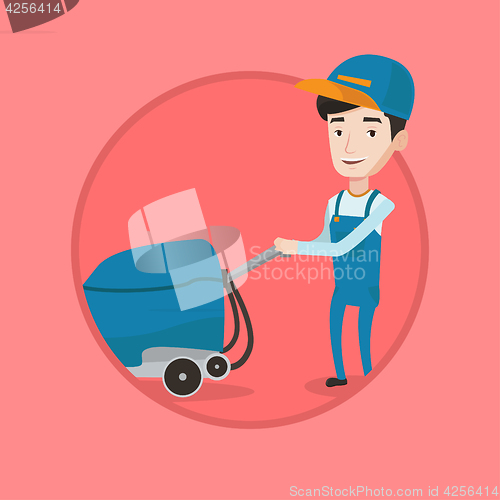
[358, 185]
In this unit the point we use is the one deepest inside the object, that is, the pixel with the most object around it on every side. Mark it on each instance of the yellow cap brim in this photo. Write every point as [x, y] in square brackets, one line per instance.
[338, 92]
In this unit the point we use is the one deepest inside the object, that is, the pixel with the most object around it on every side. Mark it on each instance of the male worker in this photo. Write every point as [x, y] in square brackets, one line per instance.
[366, 102]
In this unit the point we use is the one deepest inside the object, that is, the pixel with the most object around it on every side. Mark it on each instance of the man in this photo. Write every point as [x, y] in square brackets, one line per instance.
[366, 102]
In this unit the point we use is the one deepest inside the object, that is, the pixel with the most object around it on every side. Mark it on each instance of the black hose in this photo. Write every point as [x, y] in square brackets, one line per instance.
[236, 317]
[248, 324]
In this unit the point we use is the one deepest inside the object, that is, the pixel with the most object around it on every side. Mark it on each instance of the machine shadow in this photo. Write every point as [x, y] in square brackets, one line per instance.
[354, 384]
[208, 391]
[215, 391]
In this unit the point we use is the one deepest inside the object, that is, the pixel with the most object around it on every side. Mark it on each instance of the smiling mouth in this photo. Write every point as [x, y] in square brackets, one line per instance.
[353, 161]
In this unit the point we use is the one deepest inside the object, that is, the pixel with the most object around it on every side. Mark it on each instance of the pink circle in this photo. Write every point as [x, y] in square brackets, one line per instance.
[256, 150]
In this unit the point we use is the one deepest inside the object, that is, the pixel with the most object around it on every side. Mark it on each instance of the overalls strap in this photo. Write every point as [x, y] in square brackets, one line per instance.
[370, 201]
[337, 204]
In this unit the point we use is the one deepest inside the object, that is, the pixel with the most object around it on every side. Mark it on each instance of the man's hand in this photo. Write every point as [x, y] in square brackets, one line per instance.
[287, 247]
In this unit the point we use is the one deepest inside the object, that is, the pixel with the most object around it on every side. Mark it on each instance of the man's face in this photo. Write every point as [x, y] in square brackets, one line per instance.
[360, 141]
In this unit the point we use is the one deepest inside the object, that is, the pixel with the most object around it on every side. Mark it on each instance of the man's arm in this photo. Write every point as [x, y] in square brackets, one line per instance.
[322, 244]
[288, 247]
[324, 237]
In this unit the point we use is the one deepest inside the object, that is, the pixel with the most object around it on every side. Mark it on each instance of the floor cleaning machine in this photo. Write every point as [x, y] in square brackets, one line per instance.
[161, 311]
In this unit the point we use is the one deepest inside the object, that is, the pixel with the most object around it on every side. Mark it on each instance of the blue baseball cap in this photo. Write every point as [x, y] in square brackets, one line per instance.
[370, 81]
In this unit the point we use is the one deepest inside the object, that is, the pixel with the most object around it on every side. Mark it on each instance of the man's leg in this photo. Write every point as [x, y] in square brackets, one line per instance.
[337, 310]
[365, 319]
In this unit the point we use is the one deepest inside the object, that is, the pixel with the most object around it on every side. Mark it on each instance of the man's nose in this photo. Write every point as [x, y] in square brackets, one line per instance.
[350, 146]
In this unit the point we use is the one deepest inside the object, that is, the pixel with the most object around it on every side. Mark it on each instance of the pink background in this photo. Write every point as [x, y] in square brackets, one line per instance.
[245, 176]
[73, 426]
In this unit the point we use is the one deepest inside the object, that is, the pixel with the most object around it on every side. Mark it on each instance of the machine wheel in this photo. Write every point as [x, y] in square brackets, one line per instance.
[182, 377]
[217, 366]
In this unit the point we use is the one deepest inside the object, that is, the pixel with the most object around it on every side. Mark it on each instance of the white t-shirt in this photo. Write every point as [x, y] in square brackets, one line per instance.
[355, 205]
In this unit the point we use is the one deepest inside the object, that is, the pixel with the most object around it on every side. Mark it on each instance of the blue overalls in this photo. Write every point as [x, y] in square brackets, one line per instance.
[356, 276]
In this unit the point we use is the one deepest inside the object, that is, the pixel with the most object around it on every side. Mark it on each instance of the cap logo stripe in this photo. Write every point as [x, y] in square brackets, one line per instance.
[358, 81]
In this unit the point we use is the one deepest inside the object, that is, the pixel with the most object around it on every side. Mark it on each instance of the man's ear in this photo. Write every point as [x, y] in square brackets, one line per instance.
[400, 141]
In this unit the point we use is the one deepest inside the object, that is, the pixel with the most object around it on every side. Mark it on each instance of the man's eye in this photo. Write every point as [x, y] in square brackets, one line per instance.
[371, 133]
[338, 133]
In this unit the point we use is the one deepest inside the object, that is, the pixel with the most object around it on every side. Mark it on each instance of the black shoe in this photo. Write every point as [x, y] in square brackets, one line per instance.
[331, 382]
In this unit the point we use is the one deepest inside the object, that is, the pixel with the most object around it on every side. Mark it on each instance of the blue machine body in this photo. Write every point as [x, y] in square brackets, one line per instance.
[183, 306]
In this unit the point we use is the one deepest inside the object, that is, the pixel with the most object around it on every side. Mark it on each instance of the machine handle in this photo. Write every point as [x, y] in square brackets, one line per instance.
[257, 261]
